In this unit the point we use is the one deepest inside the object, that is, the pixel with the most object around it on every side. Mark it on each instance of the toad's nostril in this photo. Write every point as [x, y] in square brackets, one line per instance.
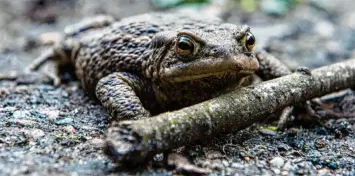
[218, 51]
[238, 66]
[248, 54]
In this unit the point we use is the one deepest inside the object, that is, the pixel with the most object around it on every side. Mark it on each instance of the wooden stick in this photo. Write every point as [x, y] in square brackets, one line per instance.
[137, 141]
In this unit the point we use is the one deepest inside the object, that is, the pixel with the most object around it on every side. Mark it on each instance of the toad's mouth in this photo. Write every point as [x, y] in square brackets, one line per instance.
[206, 75]
[209, 68]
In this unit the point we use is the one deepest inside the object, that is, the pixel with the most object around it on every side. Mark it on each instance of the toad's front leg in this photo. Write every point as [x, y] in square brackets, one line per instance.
[120, 94]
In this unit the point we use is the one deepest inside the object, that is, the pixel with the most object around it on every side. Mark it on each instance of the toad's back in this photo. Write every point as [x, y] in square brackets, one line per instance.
[126, 45]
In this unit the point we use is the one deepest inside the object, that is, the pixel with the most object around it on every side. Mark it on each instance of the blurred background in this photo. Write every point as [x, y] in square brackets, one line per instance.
[300, 32]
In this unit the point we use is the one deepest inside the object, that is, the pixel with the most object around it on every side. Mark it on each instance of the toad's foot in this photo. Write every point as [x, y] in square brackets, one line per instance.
[96, 22]
[328, 104]
[62, 51]
[30, 74]
[325, 105]
[287, 117]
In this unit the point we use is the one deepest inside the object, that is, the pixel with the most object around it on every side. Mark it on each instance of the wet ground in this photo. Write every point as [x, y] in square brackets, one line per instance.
[48, 130]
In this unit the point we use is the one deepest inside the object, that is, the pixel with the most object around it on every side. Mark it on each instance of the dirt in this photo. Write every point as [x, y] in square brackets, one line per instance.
[60, 130]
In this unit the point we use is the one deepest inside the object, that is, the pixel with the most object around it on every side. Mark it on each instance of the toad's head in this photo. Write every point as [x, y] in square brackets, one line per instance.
[192, 54]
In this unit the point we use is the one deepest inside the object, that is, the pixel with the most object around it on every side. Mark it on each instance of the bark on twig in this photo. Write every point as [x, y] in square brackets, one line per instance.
[135, 141]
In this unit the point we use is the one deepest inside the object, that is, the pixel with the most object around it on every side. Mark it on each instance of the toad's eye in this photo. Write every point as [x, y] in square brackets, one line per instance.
[185, 46]
[249, 41]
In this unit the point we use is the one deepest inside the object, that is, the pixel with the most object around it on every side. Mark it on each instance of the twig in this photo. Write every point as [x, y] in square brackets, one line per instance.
[136, 141]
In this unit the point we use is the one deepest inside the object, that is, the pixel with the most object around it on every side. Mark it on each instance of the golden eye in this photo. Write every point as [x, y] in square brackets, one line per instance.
[250, 41]
[185, 46]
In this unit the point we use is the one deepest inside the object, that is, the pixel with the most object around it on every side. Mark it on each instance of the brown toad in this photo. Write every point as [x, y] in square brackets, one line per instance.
[147, 64]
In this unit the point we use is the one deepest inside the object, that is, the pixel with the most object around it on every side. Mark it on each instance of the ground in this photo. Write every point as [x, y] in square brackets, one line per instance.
[59, 130]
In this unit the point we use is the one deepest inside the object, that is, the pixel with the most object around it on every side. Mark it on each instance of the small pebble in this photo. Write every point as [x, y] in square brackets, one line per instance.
[21, 89]
[276, 171]
[4, 91]
[21, 114]
[287, 166]
[237, 165]
[50, 38]
[277, 162]
[325, 29]
[97, 142]
[324, 171]
[34, 100]
[225, 163]
[85, 127]
[333, 165]
[267, 132]
[37, 133]
[285, 173]
[52, 114]
[23, 122]
[65, 94]
[8, 109]
[39, 115]
[158, 157]
[69, 129]
[214, 155]
[66, 121]
[229, 171]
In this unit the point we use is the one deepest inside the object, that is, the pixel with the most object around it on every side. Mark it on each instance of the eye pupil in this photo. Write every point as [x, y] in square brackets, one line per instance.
[184, 45]
[250, 39]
